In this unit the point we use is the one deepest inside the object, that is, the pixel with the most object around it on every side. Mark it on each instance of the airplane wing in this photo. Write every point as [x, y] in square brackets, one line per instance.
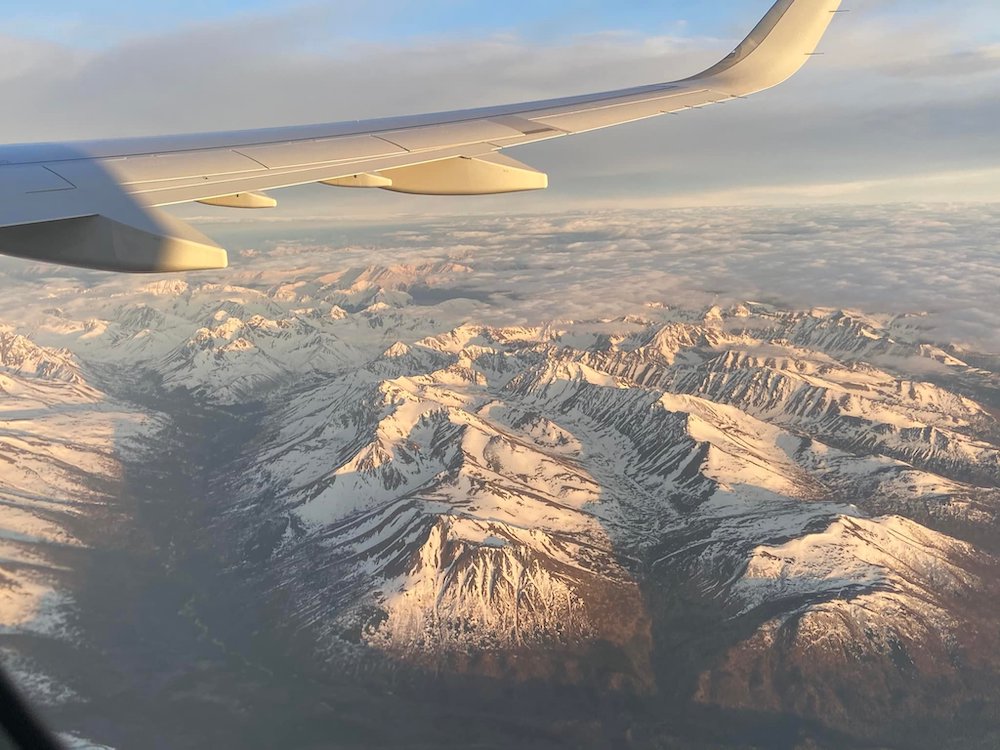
[94, 204]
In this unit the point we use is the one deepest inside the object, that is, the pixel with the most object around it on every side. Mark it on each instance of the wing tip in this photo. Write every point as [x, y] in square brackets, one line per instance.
[776, 49]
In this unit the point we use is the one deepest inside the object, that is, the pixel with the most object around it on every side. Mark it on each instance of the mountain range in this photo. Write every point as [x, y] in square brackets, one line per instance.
[733, 526]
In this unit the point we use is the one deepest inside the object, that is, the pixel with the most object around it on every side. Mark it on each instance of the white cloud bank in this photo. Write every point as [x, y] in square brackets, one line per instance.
[937, 259]
[942, 260]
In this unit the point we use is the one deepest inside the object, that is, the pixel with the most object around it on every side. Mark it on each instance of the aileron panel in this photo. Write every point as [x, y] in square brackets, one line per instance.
[135, 169]
[449, 134]
[322, 151]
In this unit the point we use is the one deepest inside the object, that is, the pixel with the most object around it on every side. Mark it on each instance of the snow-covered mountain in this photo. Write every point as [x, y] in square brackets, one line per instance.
[19, 355]
[710, 507]
[495, 491]
[62, 446]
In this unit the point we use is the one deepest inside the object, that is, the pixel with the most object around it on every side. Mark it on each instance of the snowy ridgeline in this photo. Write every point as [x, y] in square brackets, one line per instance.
[61, 443]
[478, 487]
[429, 487]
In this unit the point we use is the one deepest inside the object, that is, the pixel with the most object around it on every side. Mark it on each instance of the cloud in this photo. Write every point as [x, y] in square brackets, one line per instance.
[968, 185]
[938, 260]
[964, 63]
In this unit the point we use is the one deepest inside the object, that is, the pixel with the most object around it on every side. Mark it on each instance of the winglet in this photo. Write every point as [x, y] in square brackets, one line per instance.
[775, 50]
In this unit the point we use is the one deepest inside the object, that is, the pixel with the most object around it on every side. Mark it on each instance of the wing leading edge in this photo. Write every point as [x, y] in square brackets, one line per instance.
[94, 204]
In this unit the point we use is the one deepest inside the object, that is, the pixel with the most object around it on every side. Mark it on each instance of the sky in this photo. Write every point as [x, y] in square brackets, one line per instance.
[106, 22]
[902, 105]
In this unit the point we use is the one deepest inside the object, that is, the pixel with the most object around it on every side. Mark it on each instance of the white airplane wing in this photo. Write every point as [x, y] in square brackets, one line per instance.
[93, 204]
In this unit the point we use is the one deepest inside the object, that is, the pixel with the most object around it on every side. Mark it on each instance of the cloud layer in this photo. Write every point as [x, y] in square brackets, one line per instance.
[936, 260]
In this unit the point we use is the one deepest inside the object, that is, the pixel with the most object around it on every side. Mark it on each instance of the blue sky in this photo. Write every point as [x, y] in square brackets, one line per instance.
[903, 105]
[100, 23]
[104, 22]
